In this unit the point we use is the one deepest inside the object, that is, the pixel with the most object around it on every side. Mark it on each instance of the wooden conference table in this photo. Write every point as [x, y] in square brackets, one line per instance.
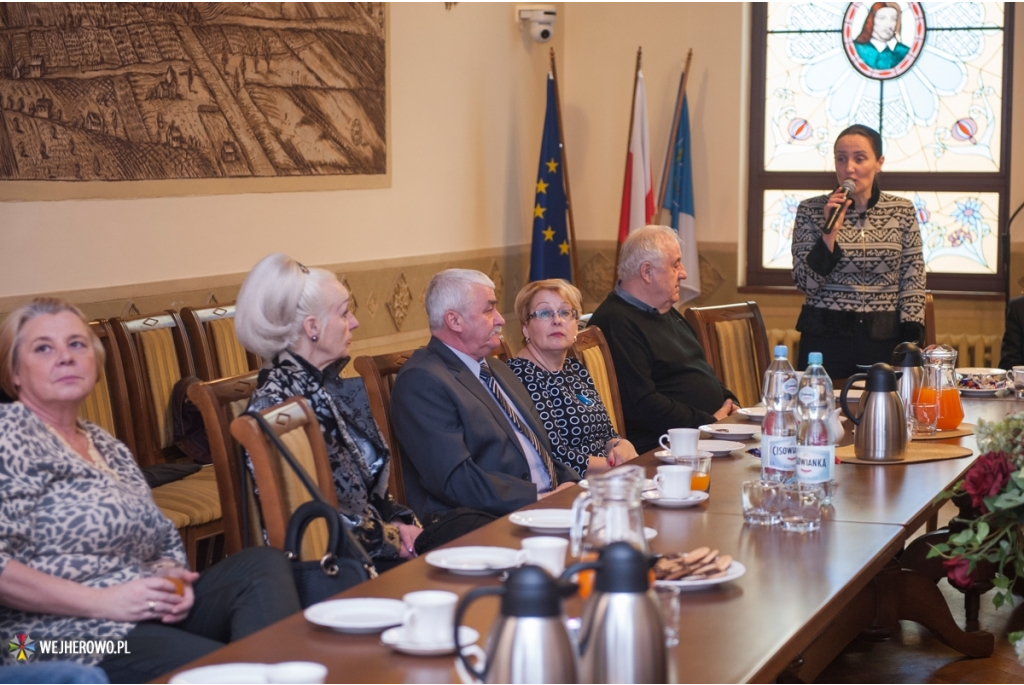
[795, 608]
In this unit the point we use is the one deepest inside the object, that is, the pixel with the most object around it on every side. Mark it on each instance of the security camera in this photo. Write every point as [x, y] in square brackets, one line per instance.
[541, 19]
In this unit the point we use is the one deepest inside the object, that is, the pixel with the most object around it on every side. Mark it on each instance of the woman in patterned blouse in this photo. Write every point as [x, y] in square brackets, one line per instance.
[298, 319]
[576, 420]
[78, 522]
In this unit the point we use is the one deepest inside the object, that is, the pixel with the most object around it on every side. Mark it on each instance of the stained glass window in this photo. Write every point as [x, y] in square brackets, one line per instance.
[928, 76]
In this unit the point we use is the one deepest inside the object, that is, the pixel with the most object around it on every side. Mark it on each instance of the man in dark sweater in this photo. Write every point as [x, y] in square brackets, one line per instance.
[664, 379]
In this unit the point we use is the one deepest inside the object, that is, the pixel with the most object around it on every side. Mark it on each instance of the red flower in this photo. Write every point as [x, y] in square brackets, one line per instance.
[957, 570]
[986, 478]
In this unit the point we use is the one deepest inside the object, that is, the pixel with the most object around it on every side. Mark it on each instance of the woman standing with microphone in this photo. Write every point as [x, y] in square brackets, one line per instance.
[857, 256]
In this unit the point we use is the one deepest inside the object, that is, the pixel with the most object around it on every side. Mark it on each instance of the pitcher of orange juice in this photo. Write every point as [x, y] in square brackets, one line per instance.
[951, 410]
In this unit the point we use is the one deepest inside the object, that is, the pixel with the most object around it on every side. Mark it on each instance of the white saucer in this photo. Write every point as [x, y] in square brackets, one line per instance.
[735, 570]
[979, 392]
[474, 561]
[719, 448]
[730, 431]
[695, 497]
[393, 638]
[754, 413]
[648, 484]
[543, 520]
[224, 673]
[666, 456]
[361, 615]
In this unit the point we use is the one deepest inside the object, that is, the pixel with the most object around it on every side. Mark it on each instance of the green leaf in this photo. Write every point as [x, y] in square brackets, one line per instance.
[936, 550]
[1007, 500]
[1015, 636]
[964, 537]
[1001, 582]
[998, 599]
[982, 532]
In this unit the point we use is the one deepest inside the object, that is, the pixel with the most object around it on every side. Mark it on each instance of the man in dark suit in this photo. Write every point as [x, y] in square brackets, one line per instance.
[468, 429]
[1012, 353]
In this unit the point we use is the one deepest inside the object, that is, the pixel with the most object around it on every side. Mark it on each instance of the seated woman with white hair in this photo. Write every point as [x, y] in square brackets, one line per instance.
[298, 319]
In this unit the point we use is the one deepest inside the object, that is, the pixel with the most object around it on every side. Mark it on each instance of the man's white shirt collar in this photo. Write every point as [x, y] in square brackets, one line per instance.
[882, 45]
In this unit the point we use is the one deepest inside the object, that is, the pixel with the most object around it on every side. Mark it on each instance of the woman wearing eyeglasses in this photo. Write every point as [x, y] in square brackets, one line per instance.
[576, 420]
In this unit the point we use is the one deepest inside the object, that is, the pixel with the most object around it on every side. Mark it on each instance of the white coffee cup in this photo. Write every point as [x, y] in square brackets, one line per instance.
[545, 551]
[429, 616]
[682, 442]
[673, 481]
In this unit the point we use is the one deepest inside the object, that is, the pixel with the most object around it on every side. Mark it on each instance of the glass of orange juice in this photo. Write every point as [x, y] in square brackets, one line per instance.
[701, 465]
[165, 568]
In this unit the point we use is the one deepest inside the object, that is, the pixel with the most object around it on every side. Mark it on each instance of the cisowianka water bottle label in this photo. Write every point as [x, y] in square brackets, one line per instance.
[790, 386]
[778, 452]
[815, 464]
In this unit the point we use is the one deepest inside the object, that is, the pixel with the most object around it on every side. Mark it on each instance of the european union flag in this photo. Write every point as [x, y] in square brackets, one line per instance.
[550, 255]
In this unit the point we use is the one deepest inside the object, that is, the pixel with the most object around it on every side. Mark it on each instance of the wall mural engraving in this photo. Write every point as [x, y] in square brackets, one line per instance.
[161, 91]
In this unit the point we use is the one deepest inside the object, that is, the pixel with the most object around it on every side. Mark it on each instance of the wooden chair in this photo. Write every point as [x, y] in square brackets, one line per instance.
[218, 354]
[378, 373]
[734, 340]
[592, 350]
[929, 319]
[155, 355]
[107, 405]
[220, 402]
[280, 490]
[504, 353]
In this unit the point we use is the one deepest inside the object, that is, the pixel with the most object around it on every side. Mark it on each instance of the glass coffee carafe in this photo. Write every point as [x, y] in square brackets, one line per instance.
[615, 512]
[951, 410]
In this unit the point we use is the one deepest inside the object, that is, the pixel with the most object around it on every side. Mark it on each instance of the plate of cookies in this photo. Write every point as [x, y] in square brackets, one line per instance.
[700, 568]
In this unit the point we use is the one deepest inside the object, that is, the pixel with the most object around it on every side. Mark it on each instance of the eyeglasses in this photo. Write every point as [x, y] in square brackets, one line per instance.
[549, 314]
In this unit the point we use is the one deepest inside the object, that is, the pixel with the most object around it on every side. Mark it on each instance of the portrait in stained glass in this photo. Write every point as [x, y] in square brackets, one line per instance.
[927, 76]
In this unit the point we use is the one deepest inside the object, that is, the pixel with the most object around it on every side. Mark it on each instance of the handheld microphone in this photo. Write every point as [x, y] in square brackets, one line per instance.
[849, 186]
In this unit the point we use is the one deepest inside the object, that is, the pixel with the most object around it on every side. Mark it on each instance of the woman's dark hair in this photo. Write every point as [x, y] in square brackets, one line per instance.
[873, 136]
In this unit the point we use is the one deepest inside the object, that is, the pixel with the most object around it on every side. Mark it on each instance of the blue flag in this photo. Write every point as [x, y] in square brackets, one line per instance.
[679, 201]
[550, 255]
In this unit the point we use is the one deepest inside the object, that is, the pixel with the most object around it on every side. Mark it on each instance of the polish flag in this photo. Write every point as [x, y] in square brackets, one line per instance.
[638, 190]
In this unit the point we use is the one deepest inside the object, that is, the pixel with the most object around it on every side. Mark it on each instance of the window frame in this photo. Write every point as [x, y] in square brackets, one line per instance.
[759, 180]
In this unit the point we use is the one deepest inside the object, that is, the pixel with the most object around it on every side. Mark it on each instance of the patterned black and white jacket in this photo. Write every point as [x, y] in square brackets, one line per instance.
[360, 459]
[876, 272]
[63, 516]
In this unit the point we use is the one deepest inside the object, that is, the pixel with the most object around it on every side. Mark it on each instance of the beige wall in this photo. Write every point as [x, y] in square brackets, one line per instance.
[467, 98]
[467, 101]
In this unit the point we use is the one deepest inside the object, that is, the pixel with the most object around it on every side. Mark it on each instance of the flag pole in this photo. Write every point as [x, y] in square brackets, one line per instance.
[629, 137]
[673, 132]
[573, 255]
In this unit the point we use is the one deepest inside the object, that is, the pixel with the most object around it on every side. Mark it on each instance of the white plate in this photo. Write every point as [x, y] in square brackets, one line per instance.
[719, 448]
[224, 673]
[695, 498]
[978, 371]
[735, 570]
[754, 413]
[666, 456]
[474, 561]
[394, 638]
[648, 484]
[362, 615]
[979, 392]
[543, 520]
[730, 431]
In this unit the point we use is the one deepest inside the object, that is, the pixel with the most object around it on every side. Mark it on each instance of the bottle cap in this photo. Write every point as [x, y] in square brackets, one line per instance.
[814, 357]
[781, 351]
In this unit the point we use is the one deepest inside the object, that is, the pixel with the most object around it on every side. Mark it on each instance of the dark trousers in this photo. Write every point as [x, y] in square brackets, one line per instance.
[840, 356]
[238, 596]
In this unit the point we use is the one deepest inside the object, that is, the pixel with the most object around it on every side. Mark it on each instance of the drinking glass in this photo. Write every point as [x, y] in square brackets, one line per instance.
[923, 416]
[801, 507]
[1016, 374]
[701, 477]
[668, 599]
[761, 502]
[164, 568]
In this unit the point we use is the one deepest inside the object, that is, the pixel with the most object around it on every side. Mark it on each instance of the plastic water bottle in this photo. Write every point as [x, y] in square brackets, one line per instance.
[815, 444]
[778, 431]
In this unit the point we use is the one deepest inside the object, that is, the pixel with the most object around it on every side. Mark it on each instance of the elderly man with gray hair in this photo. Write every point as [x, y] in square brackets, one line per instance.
[472, 438]
[664, 378]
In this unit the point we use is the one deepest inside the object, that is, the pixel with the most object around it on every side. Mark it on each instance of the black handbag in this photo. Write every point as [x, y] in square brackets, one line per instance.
[345, 564]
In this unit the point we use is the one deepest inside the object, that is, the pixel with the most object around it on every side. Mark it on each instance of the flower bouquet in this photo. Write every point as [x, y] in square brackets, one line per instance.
[994, 536]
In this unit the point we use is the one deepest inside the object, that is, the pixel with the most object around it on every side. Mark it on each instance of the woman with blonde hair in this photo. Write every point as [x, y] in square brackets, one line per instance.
[78, 524]
[574, 416]
[298, 319]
